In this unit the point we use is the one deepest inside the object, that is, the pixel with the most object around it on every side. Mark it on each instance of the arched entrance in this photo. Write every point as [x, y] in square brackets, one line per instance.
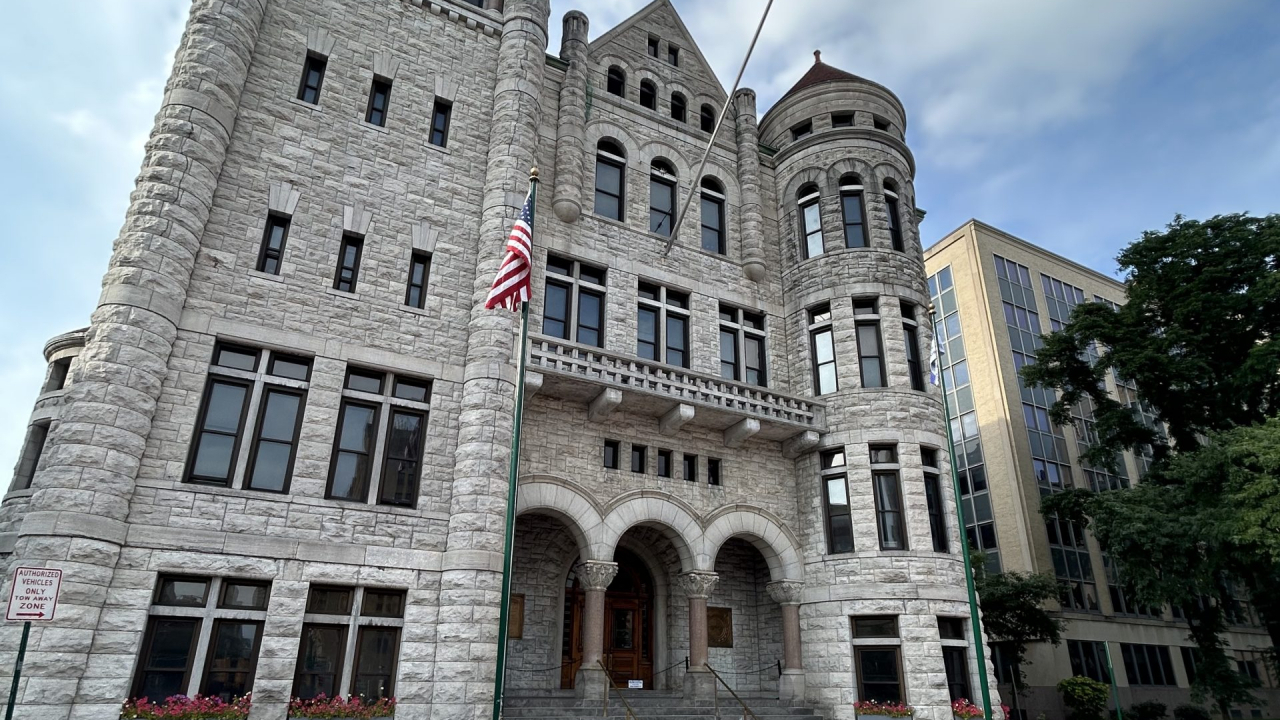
[628, 624]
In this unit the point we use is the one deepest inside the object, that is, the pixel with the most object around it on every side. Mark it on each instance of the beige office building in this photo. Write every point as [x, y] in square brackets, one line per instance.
[994, 296]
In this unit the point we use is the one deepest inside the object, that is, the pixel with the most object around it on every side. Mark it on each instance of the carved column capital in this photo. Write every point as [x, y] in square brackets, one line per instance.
[596, 574]
[697, 584]
[785, 592]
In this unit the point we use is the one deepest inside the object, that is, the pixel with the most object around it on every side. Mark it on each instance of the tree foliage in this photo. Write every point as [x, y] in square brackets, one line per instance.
[1012, 606]
[1200, 339]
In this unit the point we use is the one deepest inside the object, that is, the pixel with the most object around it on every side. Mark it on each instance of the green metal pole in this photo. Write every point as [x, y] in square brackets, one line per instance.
[1111, 675]
[17, 670]
[964, 538]
[513, 475]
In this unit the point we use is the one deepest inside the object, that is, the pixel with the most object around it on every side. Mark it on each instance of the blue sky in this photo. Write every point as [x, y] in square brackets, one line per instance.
[1074, 124]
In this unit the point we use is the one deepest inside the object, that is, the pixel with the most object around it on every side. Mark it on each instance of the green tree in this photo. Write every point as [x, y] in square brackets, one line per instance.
[1013, 611]
[1200, 338]
[1087, 698]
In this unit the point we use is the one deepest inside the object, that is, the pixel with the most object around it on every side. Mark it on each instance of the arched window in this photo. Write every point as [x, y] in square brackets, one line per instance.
[713, 216]
[855, 226]
[895, 220]
[611, 167]
[649, 94]
[810, 220]
[662, 197]
[707, 118]
[678, 112]
[617, 82]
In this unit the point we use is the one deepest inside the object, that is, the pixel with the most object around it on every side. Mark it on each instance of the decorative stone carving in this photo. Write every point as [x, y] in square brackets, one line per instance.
[597, 575]
[697, 584]
[785, 592]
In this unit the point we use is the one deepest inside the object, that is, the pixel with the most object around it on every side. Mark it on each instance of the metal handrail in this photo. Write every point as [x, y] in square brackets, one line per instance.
[608, 685]
[745, 710]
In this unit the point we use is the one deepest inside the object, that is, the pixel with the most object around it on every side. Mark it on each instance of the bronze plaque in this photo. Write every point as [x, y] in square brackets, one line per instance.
[515, 618]
[719, 627]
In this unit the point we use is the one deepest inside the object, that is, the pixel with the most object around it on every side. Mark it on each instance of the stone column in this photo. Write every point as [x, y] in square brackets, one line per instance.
[78, 513]
[595, 577]
[744, 102]
[471, 577]
[787, 594]
[573, 118]
[698, 681]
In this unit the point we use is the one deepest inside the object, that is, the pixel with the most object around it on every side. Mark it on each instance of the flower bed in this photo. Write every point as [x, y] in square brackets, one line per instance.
[352, 708]
[965, 710]
[181, 707]
[895, 710]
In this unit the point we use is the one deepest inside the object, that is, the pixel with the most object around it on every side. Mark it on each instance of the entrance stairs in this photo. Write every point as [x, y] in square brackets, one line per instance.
[648, 705]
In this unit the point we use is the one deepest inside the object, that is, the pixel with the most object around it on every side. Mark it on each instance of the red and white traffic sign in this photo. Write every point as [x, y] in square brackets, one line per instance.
[34, 594]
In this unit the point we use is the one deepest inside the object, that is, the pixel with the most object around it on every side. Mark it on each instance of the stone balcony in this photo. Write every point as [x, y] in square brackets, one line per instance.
[607, 382]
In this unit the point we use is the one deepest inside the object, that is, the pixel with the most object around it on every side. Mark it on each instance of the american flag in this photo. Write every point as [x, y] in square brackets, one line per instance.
[512, 286]
[935, 360]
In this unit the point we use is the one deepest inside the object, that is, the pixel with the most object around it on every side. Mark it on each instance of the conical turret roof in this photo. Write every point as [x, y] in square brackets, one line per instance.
[819, 73]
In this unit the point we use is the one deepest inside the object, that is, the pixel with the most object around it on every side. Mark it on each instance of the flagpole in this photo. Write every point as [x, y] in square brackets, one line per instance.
[964, 538]
[513, 475]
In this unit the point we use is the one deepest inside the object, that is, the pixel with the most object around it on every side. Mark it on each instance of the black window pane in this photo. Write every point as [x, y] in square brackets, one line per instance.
[183, 592]
[555, 319]
[376, 652]
[647, 333]
[167, 657]
[590, 318]
[379, 96]
[312, 76]
[213, 457]
[280, 416]
[957, 667]
[288, 366]
[841, 534]
[875, 626]
[403, 458]
[712, 225]
[879, 675]
[728, 355]
[440, 123]
[639, 454]
[233, 654]
[664, 463]
[329, 600]
[411, 390]
[244, 596]
[319, 661]
[226, 403]
[237, 358]
[358, 423]
[364, 381]
[383, 603]
[271, 466]
[677, 340]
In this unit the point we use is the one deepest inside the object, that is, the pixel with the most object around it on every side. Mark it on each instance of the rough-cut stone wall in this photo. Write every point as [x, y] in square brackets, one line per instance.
[544, 552]
[750, 665]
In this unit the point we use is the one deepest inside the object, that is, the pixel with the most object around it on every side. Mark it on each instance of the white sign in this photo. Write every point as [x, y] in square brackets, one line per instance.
[34, 594]
[635, 684]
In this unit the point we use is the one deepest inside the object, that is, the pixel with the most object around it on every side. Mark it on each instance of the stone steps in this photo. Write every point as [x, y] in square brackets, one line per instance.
[648, 705]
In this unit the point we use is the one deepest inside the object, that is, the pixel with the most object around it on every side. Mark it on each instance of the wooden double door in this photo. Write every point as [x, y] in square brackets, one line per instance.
[628, 625]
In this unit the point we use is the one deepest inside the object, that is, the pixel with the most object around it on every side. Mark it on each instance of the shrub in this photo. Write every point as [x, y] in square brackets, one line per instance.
[181, 707]
[1087, 698]
[1149, 710]
[353, 708]
[1190, 712]
[871, 707]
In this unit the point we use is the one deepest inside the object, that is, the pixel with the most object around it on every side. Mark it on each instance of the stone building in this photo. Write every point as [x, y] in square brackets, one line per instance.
[995, 295]
[276, 460]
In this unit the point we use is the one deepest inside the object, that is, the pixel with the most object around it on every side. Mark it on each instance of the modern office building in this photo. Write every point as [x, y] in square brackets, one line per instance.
[994, 296]
[276, 460]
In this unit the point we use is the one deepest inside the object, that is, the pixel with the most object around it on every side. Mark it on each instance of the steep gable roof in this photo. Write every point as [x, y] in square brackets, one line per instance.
[662, 9]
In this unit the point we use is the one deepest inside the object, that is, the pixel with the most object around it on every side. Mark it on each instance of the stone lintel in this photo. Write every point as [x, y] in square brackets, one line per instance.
[737, 434]
[675, 419]
[605, 403]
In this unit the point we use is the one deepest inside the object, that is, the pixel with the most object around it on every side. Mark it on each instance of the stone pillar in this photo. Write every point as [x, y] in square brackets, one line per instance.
[698, 681]
[471, 577]
[595, 577]
[787, 594]
[573, 119]
[78, 514]
[744, 102]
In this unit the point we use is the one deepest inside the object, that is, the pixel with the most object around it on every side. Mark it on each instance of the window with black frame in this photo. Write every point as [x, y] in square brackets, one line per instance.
[379, 101]
[648, 94]
[713, 219]
[382, 415]
[810, 214]
[349, 627]
[851, 210]
[878, 658]
[274, 235]
[887, 487]
[742, 346]
[662, 324]
[312, 77]
[348, 272]
[441, 114]
[573, 307]
[911, 335]
[835, 496]
[894, 216]
[934, 499]
[870, 348]
[662, 197]
[616, 81]
[233, 447]
[679, 111]
[611, 172]
[823, 348]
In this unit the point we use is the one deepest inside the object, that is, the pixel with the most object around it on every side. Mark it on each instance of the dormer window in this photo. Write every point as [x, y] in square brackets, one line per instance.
[648, 94]
[616, 83]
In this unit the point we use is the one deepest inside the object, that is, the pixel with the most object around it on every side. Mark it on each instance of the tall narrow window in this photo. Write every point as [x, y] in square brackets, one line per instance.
[835, 495]
[648, 94]
[690, 467]
[381, 415]
[662, 197]
[639, 458]
[419, 270]
[713, 471]
[890, 520]
[349, 625]
[855, 228]
[934, 499]
[810, 220]
[611, 165]
[662, 318]
[911, 333]
[679, 113]
[653, 46]
[344, 279]
[312, 77]
[273, 239]
[878, 667]
[440, 115]
[379, 99]
[673, 54]
[895, 219]
[57, 378]
[574, 301]
[713, 237]
[955, 661]
[616, 81]
[664, 463]
[32, 449]
[707, 118]
[822, 345]
[612, 448]
[742, 345]
[870, 354]
[236, 375]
